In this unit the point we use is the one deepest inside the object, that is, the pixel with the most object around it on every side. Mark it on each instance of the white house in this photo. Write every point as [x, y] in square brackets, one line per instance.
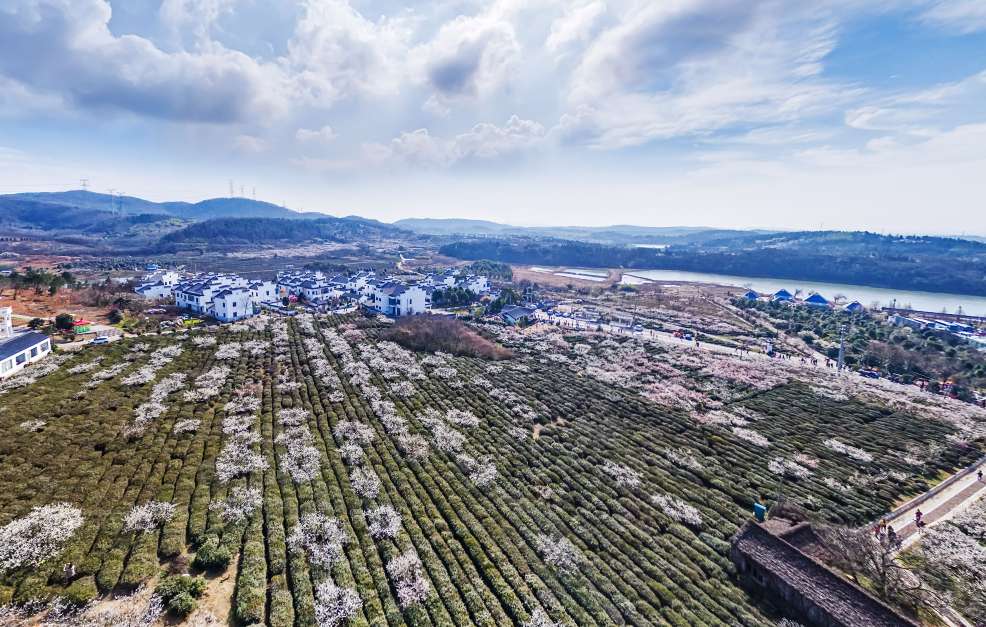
[158, 284]
[222, 294]
[396, 299]
[22, 350]
[232, 303]
[263, 292]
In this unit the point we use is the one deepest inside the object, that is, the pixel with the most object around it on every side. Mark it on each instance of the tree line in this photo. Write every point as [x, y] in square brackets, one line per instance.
[892, 271]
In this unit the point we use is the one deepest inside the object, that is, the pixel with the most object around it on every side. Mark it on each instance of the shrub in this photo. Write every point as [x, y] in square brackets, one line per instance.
[437, 333]
[211, 556]
[81, 591]
[180, 593]
[183, 604]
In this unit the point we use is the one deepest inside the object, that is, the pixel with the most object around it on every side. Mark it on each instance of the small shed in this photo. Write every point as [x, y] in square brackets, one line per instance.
[751, 295]
[817, 300]
[81, 326]
[783, 295]
[855, 307]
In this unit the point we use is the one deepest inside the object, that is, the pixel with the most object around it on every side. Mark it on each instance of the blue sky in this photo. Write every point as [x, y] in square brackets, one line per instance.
[729, 113]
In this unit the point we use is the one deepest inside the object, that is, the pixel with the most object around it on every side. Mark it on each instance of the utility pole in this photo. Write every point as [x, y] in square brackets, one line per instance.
[842, 344]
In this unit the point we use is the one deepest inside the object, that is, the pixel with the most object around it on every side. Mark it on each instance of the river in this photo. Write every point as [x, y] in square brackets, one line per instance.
[904, 299]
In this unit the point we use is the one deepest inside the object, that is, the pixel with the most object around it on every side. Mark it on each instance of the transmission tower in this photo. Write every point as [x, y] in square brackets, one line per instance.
[85, 190]
[120, 198]
[254, 193]
[231, 192]
[112, 207]
[241, 192]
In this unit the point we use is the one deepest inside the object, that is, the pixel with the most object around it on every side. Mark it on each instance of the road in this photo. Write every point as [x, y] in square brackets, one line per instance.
[948, 500]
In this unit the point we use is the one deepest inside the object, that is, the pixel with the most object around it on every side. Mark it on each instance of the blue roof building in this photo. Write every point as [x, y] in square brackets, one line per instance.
[855, 307]
[783, 295]
[816, 300]
[751, 295]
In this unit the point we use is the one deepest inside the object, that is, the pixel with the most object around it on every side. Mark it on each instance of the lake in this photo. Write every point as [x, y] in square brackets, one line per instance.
[905, 299]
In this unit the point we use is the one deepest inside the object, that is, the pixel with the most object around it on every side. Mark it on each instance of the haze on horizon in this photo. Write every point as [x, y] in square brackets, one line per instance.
[835, 114]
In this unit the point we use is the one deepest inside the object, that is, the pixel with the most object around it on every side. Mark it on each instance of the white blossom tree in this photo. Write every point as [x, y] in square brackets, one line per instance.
[39, 535]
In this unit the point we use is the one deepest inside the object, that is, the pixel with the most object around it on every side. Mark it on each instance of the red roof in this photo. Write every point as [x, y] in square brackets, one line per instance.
[79, 323]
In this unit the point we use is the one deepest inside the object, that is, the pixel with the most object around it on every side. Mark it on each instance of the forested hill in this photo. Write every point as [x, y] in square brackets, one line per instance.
[926, 264]
[89, 210]
[241, 231]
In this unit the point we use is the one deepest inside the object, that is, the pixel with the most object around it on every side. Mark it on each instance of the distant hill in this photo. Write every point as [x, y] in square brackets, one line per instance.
[224, 232]
[616, 234]
[78, 210]
[931, 264]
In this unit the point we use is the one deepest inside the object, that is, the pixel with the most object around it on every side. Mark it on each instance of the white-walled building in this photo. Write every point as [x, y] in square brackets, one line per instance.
[21, 350]
[232, 303]
[159, 284]
[397, 299]
[223, 296]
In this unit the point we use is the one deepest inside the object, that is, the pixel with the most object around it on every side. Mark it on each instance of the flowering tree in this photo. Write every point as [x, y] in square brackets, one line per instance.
[383, 522]
[408, 576]
[39, 535]
[240, 503]
[147, 517]
[334, 604]
[321, 536]
[365, 483]
[677, 510]
[560, 553]
[540, 618]
[623, 475]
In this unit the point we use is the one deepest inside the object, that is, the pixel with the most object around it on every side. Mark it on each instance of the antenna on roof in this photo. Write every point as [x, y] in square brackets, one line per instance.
[231, 192]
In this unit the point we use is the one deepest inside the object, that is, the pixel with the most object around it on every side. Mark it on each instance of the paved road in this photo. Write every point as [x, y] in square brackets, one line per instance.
[956, 497]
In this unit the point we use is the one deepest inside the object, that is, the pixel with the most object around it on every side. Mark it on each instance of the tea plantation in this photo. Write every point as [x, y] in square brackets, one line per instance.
[588, 481]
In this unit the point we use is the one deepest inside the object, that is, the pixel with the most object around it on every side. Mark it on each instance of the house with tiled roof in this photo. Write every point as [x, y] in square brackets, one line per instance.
[783, 561]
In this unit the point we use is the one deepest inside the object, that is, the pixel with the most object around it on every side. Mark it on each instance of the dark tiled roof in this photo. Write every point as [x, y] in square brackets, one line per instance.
[838, 597]
[19, 343]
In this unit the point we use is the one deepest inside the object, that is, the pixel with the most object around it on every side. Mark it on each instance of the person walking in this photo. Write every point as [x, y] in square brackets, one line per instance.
[68, 571]
[979, 476]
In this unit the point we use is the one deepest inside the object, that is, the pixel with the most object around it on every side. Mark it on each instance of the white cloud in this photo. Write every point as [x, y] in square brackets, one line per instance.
[250, 144]
[963, 16]
[575, 25]
[323, 134]
[471, 56]
[434, 107]
[196, 16]
[336, 53]
[65, 48]
[420, 148]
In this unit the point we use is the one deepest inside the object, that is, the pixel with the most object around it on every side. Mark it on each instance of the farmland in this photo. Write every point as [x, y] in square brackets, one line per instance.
[340, 479]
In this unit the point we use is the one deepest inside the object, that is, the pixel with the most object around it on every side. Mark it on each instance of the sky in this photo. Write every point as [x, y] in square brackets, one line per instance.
[788, 114]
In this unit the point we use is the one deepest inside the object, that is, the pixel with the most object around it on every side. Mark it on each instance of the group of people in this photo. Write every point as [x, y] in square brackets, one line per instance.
[886, 535]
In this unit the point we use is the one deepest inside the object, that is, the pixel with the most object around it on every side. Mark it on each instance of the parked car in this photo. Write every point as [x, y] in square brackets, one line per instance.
[99, 340]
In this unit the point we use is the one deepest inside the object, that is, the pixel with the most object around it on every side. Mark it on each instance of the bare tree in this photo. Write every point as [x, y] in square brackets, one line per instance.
[874, 566]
